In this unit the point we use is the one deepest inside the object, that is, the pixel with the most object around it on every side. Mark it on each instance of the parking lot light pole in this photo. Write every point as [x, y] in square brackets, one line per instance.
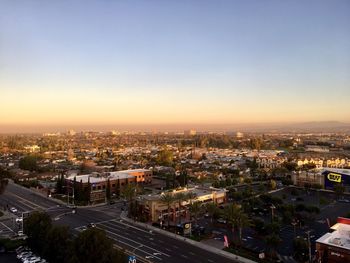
[309, 245]
[272, 212]
[294, 223]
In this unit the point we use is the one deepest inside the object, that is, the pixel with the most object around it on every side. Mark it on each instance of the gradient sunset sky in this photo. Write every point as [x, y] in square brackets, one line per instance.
[138, 62]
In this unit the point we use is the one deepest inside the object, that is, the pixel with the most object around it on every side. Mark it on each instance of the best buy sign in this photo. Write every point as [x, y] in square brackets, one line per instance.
[334, 177]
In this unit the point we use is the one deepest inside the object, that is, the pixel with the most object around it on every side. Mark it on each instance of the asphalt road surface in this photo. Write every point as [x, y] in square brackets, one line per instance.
[151, 247]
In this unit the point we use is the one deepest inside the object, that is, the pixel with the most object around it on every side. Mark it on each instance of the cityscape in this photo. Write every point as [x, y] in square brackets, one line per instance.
[174, 131]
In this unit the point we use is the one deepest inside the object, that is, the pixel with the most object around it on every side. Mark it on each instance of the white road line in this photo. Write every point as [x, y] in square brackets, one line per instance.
[7, 227]
[210, 260]
[131, 226]
[24, 200]
[108, 231]
[138, 247]
[184, 256]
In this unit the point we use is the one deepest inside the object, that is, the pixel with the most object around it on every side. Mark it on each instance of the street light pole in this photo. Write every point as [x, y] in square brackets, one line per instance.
[272, 212]
[309, 245]
[294, 223]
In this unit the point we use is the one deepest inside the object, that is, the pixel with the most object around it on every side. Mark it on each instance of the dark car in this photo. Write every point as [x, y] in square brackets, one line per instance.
[90, 225]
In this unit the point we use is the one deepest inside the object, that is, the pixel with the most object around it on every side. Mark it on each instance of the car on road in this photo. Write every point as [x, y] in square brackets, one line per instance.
[344, 201]
[19, 219]
[91, 225]
[111, 202]
[13, 210]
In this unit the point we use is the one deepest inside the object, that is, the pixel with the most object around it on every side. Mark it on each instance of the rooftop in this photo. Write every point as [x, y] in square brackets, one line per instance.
[339, 238]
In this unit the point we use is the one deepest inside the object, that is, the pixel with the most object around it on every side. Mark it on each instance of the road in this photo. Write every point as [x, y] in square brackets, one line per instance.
[154, 247]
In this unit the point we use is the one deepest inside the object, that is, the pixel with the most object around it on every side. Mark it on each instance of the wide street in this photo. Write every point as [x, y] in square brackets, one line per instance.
[147, 246]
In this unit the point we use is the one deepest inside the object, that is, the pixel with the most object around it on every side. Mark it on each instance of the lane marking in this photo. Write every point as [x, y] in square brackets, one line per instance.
[7, 227]
[24, 200]
[108, 231]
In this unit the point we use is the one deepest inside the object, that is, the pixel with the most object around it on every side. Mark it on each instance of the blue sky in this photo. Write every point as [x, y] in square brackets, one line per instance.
[94, 62]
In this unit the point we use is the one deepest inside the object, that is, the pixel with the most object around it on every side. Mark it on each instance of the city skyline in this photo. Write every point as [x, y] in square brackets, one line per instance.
[158, 63]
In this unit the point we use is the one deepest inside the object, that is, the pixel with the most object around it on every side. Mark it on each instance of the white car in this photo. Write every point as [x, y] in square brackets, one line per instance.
[32, 260]
[13, 210]
[19, 220]
[24, 255]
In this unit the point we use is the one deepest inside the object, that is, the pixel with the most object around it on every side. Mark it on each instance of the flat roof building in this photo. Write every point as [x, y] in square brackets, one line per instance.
[335, 247]
[157, 211]
[96, 184]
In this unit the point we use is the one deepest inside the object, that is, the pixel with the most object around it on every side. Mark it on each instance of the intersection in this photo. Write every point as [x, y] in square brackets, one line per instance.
[146, 245]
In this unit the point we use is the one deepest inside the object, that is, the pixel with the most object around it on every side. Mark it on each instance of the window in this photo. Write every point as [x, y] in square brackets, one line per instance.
[99, 187]
[113, 185]
[103, 187]
[94, 188]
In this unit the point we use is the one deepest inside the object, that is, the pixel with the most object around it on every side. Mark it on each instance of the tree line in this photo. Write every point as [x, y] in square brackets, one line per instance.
[57, 244]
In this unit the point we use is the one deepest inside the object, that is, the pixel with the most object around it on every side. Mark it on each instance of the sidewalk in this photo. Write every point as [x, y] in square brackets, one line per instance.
[234, 257]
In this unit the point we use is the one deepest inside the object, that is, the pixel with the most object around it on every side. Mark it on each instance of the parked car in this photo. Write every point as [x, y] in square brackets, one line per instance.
[90, 225]
[19, 219]
[13, 210]
[221, 221]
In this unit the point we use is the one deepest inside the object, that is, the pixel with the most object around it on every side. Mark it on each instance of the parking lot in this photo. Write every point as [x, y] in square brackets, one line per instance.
[329, 209]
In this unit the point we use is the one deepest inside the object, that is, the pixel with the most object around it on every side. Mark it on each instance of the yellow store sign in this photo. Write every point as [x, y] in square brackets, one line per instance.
[334, 177]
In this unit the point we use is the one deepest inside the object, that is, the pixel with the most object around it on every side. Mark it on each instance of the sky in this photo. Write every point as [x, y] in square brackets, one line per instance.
[162, 62]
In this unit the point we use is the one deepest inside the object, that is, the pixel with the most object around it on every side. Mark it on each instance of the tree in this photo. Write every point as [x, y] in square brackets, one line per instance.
[165, 157]
[195, 209]
[129, 192]
[36, 226]
[108, 190]
[339, 190]
[168, 200]
[301, 248]
[4, 174]
[183, 178]
[242, 221]
[28, 162]
[59, 184]
[180, 197]
[290, 166]
[58, 244]
[272, 184]
[191, 196]
[211, 209]
[92, 245]
[231, 214]
[272, 241]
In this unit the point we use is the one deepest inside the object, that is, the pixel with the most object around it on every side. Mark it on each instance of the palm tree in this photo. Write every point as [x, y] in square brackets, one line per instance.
[195, 209]
[273, 241]
[129, 193]
[212, 209]
[231, 214]
[168, 200]
[180, 197]
[243, 221]
[190, 196]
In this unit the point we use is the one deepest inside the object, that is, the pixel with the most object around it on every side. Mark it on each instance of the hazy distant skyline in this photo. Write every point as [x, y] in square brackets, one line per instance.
[76, 63]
